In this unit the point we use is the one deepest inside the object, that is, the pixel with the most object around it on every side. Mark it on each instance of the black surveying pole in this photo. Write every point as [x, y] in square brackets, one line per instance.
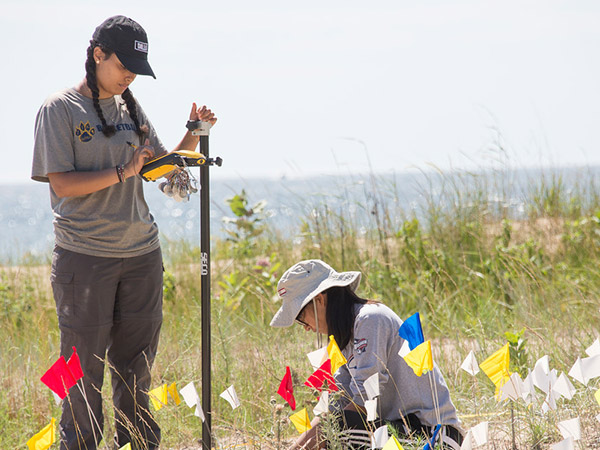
[202, 129]
[205, 293]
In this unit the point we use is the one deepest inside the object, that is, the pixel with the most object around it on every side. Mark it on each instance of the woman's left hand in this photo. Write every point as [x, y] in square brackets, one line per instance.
[189, 141]
[204, 114]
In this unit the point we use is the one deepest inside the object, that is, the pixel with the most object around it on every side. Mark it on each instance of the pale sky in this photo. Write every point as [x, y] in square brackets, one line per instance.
[298, 85]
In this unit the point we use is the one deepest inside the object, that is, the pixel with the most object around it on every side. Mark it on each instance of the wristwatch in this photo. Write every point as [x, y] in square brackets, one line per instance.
[193, 124]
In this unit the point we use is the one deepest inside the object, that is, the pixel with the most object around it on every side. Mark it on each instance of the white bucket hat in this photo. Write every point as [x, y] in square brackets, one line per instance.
[302, 282]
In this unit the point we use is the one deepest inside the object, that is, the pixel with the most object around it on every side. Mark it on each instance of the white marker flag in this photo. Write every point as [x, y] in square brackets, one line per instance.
[467, 442]
[322, 405]
[549, 402]
[593, 349]
[230, 395]
[405, 349]
[591, 367]
[371, 385]
[576, 371]
[470, 365]
[567, 444]
[564, 387]
[190, 395]
[191, 398]
[380, 437]
[480, 433]
[528, 393]
[540, 374]
[585, 369]
[57, 399]
[318, 357]
[570, 428]
[512, 389]
[371, 407]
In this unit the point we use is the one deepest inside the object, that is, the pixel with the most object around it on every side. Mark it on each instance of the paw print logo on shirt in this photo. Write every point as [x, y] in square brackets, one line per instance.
[85, 132]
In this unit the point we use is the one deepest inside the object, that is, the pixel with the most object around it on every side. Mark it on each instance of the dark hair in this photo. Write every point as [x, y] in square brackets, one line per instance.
[340, 313]
[92, 83]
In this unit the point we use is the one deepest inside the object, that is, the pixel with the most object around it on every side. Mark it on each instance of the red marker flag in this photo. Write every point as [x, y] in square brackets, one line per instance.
[59, 378]
[75, 365]
[321, 375]
[286, 389]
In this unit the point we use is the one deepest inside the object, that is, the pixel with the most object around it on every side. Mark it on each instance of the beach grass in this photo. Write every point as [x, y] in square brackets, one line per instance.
[481, 260]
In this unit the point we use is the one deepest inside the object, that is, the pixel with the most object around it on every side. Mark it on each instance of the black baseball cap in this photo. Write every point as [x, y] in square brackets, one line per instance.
[128, 40]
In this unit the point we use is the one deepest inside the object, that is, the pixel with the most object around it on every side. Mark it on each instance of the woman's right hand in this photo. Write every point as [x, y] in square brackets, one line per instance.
[139, 158]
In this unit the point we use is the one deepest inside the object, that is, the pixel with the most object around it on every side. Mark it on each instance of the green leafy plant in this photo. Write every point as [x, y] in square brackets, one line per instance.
[247, 224]
[519, 358]
[169, 284]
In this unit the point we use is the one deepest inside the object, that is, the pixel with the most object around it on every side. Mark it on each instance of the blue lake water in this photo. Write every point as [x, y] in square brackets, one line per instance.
[26, 217]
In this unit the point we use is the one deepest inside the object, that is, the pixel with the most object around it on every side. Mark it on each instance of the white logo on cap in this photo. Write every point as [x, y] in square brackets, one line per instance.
[141, 46]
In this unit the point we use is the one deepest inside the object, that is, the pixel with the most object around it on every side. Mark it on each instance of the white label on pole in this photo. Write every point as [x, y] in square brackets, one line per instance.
[204, 268]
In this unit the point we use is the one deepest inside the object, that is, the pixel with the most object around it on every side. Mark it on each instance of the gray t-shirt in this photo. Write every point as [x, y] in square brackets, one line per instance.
[374, 349]
[112, 222]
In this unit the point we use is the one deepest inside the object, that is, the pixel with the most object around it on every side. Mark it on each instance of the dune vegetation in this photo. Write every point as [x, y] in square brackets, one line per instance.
[482, 261]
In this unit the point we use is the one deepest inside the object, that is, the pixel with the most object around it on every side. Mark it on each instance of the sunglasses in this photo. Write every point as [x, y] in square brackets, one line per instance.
[300, 315]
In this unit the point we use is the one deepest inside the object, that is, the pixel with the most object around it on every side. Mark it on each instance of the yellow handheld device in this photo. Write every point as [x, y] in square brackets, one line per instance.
[163, 165]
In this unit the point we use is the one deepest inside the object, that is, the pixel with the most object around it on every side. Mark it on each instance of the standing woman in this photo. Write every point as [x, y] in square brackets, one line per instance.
[324, 301]
[107, 265]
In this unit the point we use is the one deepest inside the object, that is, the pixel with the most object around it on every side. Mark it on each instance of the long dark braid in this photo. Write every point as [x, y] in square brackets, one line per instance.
[92, 83]
[141, 130]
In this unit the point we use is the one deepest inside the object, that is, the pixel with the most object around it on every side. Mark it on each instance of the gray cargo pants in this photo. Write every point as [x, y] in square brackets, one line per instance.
[110, 310]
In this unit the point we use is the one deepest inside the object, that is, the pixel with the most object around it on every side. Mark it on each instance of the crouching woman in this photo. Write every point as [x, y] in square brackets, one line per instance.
[322, 300]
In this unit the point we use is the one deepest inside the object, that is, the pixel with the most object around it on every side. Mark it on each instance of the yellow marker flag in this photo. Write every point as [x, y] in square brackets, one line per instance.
[301, 421]
[174, 394]
[335, 354]
[597, 395]
[420, 359]
[392, 443]
[158, 396]
[126, 446]
[45, 438]
[496, 367]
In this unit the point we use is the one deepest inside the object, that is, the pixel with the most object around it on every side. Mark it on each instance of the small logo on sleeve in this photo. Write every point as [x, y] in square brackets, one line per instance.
[85, 132]
[141, 46]
[360, 345]
[282, 292]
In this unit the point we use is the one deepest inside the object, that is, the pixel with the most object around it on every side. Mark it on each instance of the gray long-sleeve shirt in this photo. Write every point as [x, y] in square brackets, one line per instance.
[374, 349]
